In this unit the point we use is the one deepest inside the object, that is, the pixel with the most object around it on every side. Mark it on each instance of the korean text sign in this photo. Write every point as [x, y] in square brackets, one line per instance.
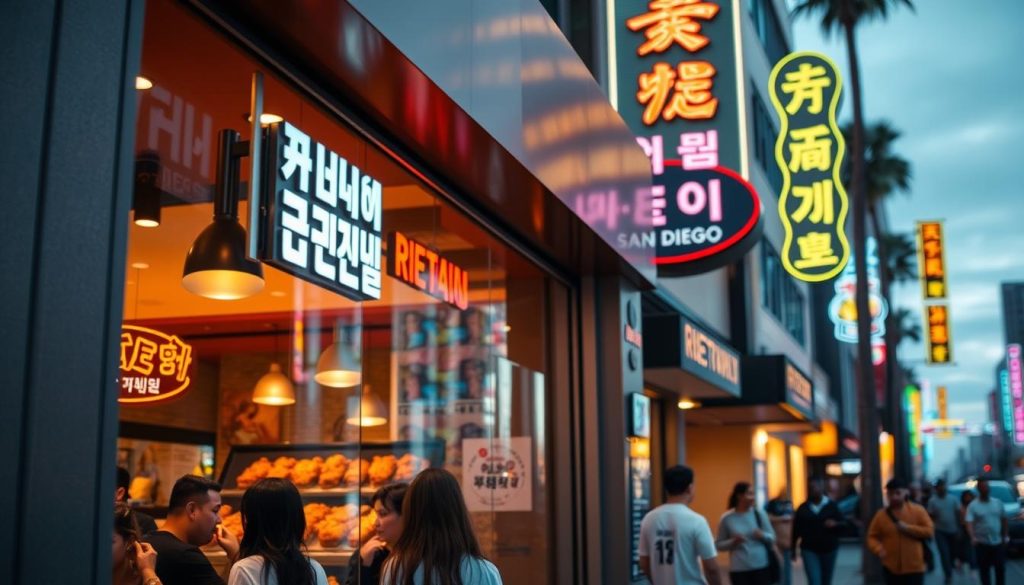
[931, 259]
[939, 342]
[497, 474]
[324, 214]
[1014, 367]
[805, 89]
[154, 366]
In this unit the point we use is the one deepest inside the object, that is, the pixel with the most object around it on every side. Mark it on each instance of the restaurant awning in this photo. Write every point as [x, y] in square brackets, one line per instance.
[684, 357]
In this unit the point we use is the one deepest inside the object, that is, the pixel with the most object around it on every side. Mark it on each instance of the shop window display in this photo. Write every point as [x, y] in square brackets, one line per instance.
[352, 394]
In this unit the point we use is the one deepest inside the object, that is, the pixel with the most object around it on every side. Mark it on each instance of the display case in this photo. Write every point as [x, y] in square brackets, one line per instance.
[336, 481]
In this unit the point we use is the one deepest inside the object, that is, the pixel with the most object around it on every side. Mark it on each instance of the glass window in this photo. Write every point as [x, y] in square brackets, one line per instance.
[780, 295]
[292, 380]
[769, 29]
[765, 135]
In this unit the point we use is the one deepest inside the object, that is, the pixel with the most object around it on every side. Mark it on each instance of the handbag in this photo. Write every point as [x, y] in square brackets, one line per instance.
[774, 566]
[926, 544]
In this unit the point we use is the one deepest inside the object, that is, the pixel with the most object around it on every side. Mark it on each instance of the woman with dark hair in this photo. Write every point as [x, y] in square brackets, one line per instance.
[271, 549]
[748, 536]
[134, 562]
[365, 568]
[437, 545]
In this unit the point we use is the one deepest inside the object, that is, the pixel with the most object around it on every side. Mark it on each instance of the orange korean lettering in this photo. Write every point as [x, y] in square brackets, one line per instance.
[932, 249]
[654, 90]
[936, 315]
[693, 99]
[936, 289]
[938, 333]
[175, 358]
[933, 267]
[940, 354]
[141, 357]
[673, 21]
[930, 231]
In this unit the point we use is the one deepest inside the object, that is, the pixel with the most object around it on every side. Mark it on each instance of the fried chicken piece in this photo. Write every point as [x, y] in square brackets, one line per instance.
[409, 465]
[256, 471]
[233, 524]
[358, 472]
[315, 512]
[382, 469]
[306, 471]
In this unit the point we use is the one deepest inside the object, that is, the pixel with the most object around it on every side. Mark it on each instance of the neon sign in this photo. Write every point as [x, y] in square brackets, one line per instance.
[842, 309]
[154, 366]
[940, 345]
[1016, 382]
[425, 269]
[931, 259]
[805, 90]
[1006, 401]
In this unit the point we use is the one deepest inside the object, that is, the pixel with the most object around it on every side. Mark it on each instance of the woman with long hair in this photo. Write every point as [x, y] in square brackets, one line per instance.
[271, 550]
[748, 536]
[365, 567]
[134, 562]
[437, 545]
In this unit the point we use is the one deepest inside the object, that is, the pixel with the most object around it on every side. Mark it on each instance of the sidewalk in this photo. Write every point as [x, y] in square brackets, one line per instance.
[848, 570]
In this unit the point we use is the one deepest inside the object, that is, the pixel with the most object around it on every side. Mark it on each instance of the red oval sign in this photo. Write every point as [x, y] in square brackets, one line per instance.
[155, 366]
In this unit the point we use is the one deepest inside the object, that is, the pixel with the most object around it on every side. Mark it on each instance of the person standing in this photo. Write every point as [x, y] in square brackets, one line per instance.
[271, 550]
[989, 530]
[192, 521]
[146, 523]
[675, 541]
[132, 562]
[943, 509]
[965, 548]
[365, 568]
[815, 529]
[780, 513]
[748, 537]
[897, 534]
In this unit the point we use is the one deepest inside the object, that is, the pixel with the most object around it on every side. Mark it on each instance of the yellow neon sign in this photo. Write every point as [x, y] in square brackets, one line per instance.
[809, 151]
[154, 366]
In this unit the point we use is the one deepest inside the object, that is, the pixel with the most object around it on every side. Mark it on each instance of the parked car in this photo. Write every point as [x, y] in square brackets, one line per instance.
[1005, 493]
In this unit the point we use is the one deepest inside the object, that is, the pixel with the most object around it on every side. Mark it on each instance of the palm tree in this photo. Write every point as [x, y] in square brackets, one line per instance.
[845, 15]
[900, 258]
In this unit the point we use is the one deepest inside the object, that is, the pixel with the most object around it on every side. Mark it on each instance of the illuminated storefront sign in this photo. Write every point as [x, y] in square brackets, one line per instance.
[842, 310]
[1006, 401]
[323, 221]
[939, 342]
[425, 269]
[154, 366]
[912, 406]
[1016, 383]
[805, 89]
[799, 391]
[673, 71]
[710, 359]
[931, 259]
[942, 405]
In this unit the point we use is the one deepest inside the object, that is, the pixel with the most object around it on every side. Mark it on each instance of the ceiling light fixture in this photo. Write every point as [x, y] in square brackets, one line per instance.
[142, 82]
[274, 388]
[687, 404]
[216, 266]
[146, 199]
[266, 118]
[366, 409]
[340, 365]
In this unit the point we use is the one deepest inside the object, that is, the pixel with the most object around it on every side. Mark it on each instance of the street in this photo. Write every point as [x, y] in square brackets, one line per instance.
[848, 570]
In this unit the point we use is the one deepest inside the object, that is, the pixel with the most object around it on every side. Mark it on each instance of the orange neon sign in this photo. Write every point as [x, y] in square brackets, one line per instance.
[931, 250]
[425, 269]
[154, 366]
[939, 341]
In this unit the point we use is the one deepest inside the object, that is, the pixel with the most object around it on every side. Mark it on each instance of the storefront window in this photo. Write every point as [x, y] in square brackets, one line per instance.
[445, 364]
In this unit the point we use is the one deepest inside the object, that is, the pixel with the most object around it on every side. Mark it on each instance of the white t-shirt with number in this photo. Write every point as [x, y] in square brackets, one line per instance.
[676, 539]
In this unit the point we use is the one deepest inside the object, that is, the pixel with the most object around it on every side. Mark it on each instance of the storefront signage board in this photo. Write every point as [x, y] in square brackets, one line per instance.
[710, 359]
[931, 259]
[940, 343]
[674, 80]
[912, 406]
[1006, 401]
[323, 216]
[842, 309]
[155, 366]
[639, 416]
[799, 391]
[497, 474]
[805, 88]
[426, 269]
[1015, 375]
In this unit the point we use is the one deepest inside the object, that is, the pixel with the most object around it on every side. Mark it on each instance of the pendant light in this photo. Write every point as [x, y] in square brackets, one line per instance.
[340, 365]
[146, 200]
[366, 409]
[274, 388]
[216, 266]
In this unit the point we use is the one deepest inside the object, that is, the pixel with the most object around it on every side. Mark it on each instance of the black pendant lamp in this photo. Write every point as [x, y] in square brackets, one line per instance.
[217, 266]
[147, 195]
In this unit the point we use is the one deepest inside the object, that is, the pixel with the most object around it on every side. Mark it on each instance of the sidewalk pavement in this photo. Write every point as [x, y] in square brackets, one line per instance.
[848, 572]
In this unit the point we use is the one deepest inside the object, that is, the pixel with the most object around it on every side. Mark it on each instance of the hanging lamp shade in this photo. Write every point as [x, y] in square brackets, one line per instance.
[216, 266]
[340, 365]
[146, 201]
[366, 409]
[274, 388]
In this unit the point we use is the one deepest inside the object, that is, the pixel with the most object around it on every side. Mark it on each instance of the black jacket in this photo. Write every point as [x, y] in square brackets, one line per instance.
[809, 528]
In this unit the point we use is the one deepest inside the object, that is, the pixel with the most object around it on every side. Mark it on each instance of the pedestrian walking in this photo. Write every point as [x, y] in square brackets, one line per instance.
[780, 513]
[271, 549]
[966, 550]
[815, 530]
[437, 535]
[676, 542]
[944, 511]
[897, 534]
[989, 530]
[747, 535]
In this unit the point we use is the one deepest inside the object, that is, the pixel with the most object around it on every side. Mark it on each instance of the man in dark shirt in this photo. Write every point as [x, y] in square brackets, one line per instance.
[814, 528]
[145, 521]
[192, 521]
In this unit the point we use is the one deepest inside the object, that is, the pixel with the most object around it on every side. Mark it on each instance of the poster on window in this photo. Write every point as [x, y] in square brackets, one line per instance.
[497, 474]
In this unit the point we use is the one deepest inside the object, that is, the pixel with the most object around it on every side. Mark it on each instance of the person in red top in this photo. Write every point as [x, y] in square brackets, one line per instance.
[897, 534]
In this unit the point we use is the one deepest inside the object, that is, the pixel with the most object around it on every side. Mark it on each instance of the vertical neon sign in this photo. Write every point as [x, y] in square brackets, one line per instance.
[1016, 382]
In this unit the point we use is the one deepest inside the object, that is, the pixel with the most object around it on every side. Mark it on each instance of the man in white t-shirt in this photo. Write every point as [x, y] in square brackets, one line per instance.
[675, 541]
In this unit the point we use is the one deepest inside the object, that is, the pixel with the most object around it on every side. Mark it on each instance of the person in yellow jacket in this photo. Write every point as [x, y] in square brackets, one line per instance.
[898, 535]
